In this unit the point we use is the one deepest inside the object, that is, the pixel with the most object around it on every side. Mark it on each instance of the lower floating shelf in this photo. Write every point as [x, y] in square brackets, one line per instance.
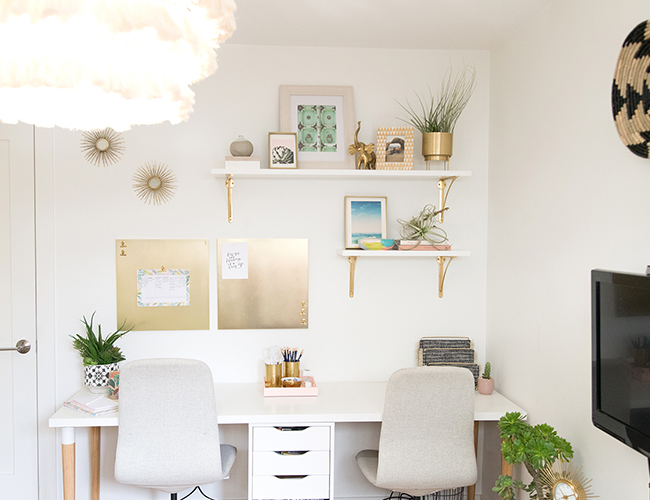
[441, 257]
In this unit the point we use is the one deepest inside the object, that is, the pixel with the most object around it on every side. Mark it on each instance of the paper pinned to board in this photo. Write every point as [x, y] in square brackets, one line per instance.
[234, 265]
[168, 288]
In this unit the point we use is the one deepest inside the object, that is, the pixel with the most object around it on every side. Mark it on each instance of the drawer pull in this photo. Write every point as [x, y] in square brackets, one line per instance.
[291, 429]
[293, 453]
[292, 477]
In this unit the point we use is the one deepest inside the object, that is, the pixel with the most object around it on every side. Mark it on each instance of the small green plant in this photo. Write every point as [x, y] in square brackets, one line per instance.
[441, 114]
[487, 370]
[96, 350]
[535, 447]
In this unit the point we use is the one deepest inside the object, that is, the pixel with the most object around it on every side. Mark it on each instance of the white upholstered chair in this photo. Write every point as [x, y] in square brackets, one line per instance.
[168, 438]
[426, 442]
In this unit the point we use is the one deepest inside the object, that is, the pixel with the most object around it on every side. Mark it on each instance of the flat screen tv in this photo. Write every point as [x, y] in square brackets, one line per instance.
[621, 356]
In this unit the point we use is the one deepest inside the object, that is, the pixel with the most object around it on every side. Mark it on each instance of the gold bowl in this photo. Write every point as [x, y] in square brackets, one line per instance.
[291, 382]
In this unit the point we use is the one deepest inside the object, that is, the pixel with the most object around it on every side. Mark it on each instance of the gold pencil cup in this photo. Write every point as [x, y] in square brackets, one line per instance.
[292, 368]
[273, 376]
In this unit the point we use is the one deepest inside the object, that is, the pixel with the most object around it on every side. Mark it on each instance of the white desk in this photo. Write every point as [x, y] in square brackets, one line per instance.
[246, 404]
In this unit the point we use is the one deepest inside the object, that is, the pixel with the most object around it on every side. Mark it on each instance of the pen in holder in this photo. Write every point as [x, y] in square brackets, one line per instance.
[273, 375]
[292, 369]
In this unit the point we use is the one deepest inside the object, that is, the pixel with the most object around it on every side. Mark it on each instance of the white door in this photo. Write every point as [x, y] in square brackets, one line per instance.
[18, 417]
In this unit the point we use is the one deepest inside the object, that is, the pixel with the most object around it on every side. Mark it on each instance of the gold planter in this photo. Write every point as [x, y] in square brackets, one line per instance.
[437, 146]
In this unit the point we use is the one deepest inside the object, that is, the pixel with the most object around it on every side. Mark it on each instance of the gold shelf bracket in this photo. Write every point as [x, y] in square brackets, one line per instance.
[229, 185]
[443, 190]
[442, 272]
[353, 264]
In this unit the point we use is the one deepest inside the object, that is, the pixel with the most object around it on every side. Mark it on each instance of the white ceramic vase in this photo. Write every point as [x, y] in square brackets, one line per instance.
[96, 377]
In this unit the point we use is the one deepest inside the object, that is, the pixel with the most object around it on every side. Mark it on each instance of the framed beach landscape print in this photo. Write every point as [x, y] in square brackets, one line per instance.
[365, 217]
[323, 119]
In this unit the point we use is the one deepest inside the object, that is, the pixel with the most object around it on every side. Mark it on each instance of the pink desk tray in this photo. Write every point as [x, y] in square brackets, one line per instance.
[293, 391]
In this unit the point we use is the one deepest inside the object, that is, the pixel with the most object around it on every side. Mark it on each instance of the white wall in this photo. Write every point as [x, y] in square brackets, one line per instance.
[365, 338]
[565, 196]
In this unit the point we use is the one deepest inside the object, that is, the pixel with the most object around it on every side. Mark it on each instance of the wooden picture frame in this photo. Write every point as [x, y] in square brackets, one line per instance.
[283, 150]
[323, 119]
[394, 148]
[365, 217]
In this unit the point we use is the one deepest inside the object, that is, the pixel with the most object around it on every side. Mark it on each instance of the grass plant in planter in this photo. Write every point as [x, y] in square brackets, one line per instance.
[436, 117]
[99, 354]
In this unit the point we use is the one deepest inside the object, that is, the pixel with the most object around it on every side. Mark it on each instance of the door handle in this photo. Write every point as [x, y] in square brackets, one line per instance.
[22, 346]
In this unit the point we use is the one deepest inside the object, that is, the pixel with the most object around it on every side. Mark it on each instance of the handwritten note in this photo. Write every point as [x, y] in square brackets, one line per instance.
[158, 288]
[234, 261]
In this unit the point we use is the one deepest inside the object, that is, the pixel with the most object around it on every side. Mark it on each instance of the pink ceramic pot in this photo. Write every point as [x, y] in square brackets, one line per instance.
[485, 386]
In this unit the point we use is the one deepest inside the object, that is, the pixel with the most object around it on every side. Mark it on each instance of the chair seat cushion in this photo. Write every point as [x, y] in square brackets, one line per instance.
[228, 454]
[368, 461]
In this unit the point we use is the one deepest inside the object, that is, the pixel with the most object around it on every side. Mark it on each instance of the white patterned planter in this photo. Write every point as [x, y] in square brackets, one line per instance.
[96, 376]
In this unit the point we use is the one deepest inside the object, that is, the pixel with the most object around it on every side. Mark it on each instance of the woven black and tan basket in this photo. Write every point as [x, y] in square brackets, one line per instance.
[631, 92]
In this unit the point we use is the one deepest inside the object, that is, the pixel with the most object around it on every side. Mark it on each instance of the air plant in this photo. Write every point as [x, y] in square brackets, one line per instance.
[423, 227]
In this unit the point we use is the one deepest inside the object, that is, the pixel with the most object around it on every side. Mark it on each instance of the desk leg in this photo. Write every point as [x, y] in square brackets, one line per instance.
[506, 468]
[471, 490]
[95, 453]
[68, 460]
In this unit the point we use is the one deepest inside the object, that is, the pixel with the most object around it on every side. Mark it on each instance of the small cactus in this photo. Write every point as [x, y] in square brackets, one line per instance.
[486, 371]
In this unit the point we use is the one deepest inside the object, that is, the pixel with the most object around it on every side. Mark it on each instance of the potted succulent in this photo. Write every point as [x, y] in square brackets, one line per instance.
[536, 447]
[99, 354]
[436, 117]
[485, 381]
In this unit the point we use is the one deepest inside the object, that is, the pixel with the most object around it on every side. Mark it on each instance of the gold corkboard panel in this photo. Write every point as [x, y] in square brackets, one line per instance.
[275, 291]
[188, 257]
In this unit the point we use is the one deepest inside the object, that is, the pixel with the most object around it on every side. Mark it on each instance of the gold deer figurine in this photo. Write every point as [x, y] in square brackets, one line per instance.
[366, 153]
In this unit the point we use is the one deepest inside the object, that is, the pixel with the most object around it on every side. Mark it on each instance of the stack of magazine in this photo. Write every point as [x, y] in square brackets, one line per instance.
[93, 404]
[448, 351]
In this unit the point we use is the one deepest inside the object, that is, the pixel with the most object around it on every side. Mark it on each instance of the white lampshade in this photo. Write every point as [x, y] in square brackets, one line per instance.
[89, 64]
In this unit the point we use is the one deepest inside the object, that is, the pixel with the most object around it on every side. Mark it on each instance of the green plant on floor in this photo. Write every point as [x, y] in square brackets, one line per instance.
[95, 349]
[535, 447]
[487, 370]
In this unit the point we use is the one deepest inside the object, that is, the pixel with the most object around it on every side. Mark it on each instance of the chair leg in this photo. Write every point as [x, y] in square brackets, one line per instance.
[206, 496]
[174, 496]
[190, 493]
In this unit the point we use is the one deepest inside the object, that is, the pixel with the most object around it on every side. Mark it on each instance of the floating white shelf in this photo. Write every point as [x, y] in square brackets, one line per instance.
[441, 257]
[305, 173]
[402, 253]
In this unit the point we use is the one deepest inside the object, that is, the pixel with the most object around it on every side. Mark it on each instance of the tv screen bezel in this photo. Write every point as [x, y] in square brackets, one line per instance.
[637, 439]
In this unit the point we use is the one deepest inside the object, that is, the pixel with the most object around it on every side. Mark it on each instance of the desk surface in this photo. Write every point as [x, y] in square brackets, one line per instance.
[336, 402]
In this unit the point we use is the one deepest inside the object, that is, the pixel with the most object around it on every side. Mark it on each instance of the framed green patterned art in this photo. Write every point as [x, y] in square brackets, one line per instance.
[323, 119]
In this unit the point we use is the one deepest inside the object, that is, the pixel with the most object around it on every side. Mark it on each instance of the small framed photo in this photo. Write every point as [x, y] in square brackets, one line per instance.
[283, 148]
[323, 118]
[394, 148]
[365, 217]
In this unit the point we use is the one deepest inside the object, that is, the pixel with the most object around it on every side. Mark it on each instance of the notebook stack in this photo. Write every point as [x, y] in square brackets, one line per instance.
[448, 351]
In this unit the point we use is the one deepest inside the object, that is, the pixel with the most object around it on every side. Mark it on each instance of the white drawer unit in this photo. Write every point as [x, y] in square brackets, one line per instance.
[269, 463]
[288, 462]
[291, 438]
[293, 487]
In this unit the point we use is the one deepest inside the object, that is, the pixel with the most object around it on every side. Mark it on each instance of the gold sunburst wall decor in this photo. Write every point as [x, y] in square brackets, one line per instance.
[154, 183]
[563, 481]
[102, 146]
